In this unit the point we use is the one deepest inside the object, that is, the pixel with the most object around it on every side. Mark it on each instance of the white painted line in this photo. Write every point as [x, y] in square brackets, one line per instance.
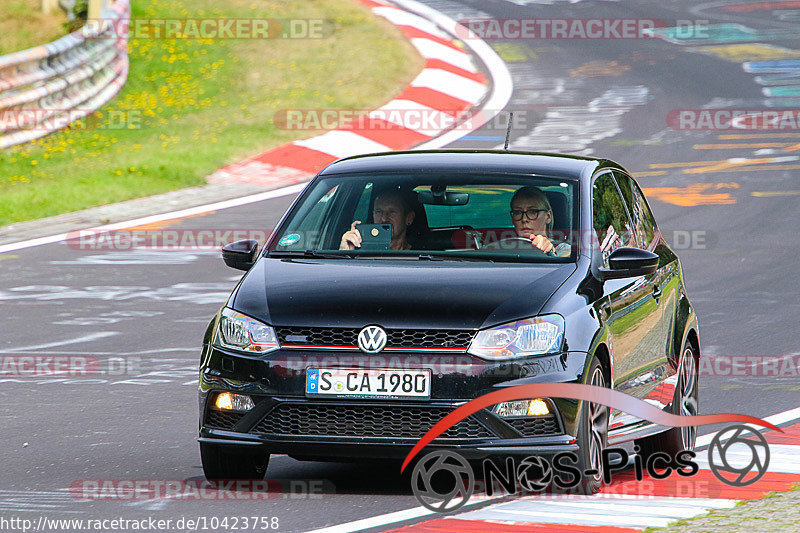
[77, 340]
[449, 83]
[784, 458]
[376, 521]
[340, 143]
[633, 510]
[433, 50]
[217, 206]
[778, 418]
[396, 516]
[414, 116]
[399, 17]
[576, 517]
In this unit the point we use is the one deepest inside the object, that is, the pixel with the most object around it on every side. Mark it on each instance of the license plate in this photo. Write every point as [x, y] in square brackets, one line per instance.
[368, 383]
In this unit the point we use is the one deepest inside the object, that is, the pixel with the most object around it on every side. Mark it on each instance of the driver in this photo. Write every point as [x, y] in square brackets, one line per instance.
[532, 217]
[391, 207]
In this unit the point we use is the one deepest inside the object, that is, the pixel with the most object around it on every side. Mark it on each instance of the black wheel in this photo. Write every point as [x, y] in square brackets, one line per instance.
[685, 402]
[592, 435]
[229, 462]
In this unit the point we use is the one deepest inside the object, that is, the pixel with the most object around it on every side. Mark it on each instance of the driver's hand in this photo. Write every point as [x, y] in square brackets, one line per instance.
[542, 243]
[352, 238]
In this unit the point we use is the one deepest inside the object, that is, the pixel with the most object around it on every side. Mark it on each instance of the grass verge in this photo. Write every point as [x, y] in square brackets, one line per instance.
[191, 106]
[23, 25]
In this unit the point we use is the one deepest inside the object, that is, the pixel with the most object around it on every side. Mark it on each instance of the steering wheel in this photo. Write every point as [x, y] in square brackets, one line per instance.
[498, 245]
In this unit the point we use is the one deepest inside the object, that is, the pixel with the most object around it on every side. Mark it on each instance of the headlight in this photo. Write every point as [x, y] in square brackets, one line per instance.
[533, 336]
[240, 332]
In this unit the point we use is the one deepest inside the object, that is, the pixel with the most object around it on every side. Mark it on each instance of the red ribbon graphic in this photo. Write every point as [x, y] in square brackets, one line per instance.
[590, 393]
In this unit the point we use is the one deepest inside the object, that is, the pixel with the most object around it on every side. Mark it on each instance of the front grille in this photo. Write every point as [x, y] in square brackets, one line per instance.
[222, 420]
[429, 338]
[396, 338]
[536, 427]
[388, 421]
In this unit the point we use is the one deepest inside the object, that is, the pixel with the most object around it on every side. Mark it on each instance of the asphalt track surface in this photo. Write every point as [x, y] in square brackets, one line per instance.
[149, 309]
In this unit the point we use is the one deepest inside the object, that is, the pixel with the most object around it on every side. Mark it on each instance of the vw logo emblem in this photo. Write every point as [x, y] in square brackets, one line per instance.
[372, 339]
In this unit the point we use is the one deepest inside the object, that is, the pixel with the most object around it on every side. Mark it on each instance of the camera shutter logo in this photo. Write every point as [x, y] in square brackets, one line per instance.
[534, 474]
[442, 481]
[733, 461]
[372, 339]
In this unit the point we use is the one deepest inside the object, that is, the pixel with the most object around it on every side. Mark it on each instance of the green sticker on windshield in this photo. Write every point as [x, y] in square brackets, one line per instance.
[288, 240]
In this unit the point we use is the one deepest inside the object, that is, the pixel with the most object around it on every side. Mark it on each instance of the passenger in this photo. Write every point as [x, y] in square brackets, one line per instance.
[393, 207]
[532, 217]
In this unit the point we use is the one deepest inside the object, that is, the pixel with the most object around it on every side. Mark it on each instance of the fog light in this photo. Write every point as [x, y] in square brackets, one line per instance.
[227, 401]
[535, 407]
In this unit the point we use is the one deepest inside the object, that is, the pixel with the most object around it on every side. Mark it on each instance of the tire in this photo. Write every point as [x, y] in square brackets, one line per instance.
[592, 435]
[686, 402]
[230, 462]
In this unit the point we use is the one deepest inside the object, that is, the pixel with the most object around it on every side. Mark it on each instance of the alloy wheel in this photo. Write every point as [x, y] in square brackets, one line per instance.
[598, 428]
[687, 386]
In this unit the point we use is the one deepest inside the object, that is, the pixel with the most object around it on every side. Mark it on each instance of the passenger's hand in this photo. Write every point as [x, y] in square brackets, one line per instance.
[352, 238]
[542, 243]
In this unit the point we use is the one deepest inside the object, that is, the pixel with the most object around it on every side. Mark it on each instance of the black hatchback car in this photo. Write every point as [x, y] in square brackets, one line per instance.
[399, 286]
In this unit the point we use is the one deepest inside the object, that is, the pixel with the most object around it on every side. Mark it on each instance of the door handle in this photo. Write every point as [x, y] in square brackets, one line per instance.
[657, 293]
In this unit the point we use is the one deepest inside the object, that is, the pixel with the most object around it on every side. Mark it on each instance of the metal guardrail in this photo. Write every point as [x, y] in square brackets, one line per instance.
[45, 88]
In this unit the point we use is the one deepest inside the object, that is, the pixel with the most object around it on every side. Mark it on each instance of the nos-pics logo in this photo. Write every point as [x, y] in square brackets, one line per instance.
[443, 480]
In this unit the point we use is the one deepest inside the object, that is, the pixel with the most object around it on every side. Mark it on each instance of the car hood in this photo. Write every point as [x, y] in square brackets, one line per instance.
[395, 293]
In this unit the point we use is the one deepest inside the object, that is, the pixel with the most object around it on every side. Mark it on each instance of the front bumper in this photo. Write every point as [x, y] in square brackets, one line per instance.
[284, 420]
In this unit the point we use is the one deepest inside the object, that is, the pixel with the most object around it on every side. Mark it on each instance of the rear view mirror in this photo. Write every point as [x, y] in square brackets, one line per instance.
[240, 254]
[443, 198]
[628, 262]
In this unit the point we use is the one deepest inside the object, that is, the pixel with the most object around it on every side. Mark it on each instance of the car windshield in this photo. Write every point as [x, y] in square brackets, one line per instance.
[460, 217]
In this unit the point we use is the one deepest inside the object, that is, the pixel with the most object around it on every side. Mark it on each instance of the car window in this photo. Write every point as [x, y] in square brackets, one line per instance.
[487, 208]
[610, 218]
[643, 222]
[642, 210]
[309, 231]
[489, 205]
[362, 208]
[456, 214]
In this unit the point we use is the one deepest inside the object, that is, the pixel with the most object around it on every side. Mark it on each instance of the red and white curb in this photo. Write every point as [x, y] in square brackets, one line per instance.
[628, 505]
[450, 83]
[625, 506]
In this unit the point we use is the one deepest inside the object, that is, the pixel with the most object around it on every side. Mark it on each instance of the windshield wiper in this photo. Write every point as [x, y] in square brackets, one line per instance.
[431, 257]
[308, 253]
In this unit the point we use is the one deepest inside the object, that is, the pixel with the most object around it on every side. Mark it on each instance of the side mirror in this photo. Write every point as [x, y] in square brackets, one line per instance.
[628, 263]
[240, 254]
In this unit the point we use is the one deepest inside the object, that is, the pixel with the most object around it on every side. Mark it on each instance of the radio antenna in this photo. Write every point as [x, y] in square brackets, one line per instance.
[508, 131]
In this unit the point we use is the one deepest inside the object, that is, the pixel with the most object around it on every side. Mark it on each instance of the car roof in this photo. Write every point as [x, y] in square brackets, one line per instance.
[549, 164]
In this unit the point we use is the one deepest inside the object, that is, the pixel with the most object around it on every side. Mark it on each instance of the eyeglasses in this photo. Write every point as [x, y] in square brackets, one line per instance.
[532, 214]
